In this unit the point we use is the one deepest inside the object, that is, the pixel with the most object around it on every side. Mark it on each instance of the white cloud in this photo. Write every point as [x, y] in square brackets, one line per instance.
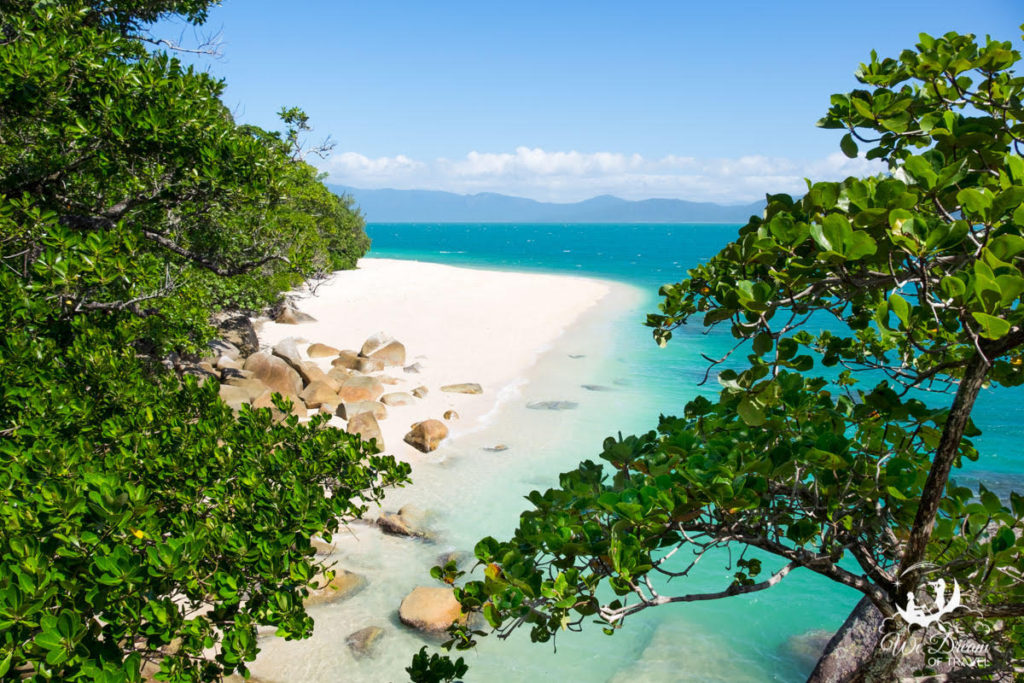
[572, 176]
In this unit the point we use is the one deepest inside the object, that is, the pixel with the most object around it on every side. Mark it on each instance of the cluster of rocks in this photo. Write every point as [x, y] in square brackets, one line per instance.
[354, 388]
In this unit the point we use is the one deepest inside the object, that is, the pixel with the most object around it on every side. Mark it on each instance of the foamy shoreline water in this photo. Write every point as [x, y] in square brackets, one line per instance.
[525, 337]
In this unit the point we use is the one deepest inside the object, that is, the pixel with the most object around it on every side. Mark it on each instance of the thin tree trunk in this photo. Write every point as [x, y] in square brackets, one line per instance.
[942, 464]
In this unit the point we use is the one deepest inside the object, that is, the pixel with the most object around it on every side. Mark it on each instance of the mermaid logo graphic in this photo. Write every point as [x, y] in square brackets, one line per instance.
[915, 614]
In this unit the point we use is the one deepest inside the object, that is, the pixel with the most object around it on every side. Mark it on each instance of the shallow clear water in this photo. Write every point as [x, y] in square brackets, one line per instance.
[471, 492]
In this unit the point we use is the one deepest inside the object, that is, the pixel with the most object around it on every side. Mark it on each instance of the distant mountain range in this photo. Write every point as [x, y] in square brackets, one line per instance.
[429, 206]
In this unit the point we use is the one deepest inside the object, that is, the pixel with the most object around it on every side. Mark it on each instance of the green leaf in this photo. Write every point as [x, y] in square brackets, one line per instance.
[991, 326]
[975, 201]
[899, 306]
[750, 412]
[848, 146]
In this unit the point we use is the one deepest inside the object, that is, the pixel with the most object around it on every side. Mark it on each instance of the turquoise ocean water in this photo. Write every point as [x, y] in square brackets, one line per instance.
[747, 638]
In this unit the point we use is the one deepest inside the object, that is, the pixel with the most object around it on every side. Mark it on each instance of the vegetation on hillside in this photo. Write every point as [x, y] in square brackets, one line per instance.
[872, 312]
[144, 525]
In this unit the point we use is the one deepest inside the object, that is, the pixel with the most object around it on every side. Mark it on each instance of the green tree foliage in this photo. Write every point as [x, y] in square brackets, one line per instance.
[824, 451]
[145, 527]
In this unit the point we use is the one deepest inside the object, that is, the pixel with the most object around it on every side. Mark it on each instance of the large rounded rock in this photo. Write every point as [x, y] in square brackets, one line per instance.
[318, 350]
[234, 397]
[347, 411]
[397, 398]
[368, 365]
[391, 354]
[431, 609]
[288, 351]
[222, 347]
[274, 372]
[409, 521]
[375, 343]
[266, 401]
[346, 359]
[427, 435]
[364, 641]
[252, 387]
[358, 388]
[366, 427]
[238, 331]
[228, 363]
[311, 372]
[292, 316]
[319, 393]
[344, 585]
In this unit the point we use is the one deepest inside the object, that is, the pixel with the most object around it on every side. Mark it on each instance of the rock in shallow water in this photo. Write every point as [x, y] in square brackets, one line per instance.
[431, 609]
[553, 405]
[344, 585]
[364, 641]
[596, 387]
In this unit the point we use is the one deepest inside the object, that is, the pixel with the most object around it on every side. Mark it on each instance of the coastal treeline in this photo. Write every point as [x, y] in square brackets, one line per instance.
[145, 527]
[868, 315]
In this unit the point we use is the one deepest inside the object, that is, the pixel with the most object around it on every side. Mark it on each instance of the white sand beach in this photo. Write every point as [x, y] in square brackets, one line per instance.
[526, 338]
[458, 325]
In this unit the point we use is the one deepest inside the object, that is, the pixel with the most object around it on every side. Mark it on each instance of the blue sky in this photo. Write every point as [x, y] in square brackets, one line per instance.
[565, 100]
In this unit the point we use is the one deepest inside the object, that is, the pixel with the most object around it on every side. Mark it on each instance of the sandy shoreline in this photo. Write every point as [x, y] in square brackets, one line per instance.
[526, 338]
[457, 324]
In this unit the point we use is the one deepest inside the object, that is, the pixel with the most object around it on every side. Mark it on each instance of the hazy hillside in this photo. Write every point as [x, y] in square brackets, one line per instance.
[428, 206]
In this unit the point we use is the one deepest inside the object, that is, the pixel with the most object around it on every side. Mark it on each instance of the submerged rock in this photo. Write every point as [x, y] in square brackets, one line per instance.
[553, 405]
[415, 368]
[344, 585]
[364, 641]
[496, 449]
[806, 648]
[451, 415]
[596, 387]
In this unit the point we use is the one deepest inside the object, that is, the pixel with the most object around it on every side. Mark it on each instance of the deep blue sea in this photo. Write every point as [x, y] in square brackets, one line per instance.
[759, 628]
